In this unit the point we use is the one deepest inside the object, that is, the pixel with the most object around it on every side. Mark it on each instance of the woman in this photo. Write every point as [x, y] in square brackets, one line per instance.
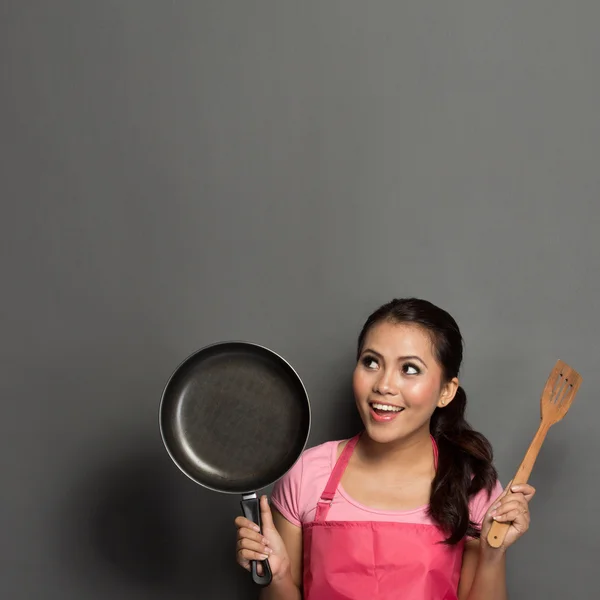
[402, 510]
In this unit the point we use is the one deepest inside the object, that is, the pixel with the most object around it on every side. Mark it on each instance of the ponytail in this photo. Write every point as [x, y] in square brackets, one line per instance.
[464, 468]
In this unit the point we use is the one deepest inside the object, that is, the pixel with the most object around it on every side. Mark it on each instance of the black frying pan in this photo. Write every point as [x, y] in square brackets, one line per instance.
[235, 417]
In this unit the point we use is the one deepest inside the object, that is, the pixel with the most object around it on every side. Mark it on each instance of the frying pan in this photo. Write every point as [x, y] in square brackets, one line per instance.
[235, 417]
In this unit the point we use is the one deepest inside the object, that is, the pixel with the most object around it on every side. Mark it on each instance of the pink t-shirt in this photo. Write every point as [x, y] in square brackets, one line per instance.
[296, 494]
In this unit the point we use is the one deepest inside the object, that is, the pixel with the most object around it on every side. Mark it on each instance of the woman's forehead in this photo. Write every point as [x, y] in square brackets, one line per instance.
[399, 338]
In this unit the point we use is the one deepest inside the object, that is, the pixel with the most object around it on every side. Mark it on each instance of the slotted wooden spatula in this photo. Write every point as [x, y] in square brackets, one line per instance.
[558, 394]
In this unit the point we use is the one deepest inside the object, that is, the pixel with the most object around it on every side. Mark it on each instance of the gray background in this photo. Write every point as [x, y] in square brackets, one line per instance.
[178, 173]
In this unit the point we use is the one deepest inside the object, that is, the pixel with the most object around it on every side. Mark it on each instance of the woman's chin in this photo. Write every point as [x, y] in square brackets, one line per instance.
[386, 433]
[383, 434]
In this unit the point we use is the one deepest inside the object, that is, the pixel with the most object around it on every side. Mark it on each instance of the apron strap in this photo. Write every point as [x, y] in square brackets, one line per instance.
[334, 479]
[324, 504]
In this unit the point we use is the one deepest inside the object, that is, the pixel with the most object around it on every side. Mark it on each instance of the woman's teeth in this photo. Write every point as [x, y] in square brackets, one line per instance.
[386, 407]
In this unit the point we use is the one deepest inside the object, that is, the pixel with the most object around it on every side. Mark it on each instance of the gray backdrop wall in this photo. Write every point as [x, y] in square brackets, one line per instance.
[178, 173]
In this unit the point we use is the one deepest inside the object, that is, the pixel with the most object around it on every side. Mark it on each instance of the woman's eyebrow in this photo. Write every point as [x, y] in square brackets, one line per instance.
[413, 357]
[408, 357]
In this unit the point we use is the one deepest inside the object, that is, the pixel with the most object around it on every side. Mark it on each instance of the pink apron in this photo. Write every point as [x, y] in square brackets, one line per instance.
[369, 560]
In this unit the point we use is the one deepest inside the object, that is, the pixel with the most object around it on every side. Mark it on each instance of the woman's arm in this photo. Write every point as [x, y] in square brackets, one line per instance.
[281, 542]
[287, 585]
[483, 574]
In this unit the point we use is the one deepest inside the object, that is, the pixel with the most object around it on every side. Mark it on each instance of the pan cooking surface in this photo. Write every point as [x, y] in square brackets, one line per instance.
[235, 417]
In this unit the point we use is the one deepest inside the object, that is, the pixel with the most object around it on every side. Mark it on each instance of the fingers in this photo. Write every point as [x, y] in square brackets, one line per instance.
[511, 507]
[249, 534]
[522, 489]
[250, 539]
[527, 490]
[265, 513]
[250, 550]
[498, 501]
[243, 522]
[513, 504]
[510, 510]
[244, 557]
[251, 544]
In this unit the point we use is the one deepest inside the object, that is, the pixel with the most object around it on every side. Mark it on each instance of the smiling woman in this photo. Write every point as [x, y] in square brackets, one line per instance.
[402, 509]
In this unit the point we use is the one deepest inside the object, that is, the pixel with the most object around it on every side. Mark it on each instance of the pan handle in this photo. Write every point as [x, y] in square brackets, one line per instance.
[251, 510]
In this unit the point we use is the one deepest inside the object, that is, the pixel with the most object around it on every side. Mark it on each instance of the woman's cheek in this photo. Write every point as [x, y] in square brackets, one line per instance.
[358, 383]
[420, 393]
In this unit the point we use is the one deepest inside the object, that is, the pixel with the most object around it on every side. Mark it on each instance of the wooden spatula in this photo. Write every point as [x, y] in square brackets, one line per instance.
[559, 392]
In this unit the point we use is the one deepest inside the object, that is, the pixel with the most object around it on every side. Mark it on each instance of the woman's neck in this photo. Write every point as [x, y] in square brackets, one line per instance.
[414, 452]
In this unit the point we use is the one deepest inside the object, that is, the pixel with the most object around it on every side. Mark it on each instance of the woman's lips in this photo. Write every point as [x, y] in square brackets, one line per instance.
[382, 416]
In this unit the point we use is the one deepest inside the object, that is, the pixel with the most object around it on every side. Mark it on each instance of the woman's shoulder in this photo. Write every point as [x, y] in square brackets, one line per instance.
[315, 458]
[320, 451]
[302, 485]
[482, 500]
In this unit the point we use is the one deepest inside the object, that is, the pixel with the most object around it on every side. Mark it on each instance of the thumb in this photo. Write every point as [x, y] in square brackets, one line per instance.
[265, 513]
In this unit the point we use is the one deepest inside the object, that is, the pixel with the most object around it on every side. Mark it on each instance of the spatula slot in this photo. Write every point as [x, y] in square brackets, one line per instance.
[562, 388]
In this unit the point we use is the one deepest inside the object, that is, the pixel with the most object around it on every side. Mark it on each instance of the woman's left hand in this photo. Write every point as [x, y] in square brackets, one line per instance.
[512, 506]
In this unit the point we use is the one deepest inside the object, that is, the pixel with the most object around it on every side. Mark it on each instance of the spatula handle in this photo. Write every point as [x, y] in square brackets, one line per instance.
[498, 530]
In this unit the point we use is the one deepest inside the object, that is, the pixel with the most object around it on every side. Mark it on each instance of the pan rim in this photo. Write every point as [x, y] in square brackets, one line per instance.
[188, 358]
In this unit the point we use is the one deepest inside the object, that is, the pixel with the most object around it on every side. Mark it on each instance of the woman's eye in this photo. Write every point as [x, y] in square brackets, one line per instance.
[410, 369]
[370, 362]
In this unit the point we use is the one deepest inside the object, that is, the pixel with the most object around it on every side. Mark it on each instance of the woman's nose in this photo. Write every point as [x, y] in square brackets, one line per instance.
[386, 384]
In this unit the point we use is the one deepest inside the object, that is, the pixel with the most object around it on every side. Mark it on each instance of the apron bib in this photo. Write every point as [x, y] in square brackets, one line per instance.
[375, 560]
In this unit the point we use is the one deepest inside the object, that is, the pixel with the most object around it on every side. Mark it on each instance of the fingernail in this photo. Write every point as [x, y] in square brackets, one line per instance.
[265, 541]
[496, 507]
[256, 528]
[492, 513]
[268, 551]
[515, 488]
[263, 557]
[499, 517]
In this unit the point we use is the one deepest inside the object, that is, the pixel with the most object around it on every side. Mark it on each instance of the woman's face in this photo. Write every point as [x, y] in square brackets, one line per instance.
[398, 382]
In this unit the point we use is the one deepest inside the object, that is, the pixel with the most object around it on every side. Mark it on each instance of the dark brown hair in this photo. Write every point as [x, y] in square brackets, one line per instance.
[465, 456]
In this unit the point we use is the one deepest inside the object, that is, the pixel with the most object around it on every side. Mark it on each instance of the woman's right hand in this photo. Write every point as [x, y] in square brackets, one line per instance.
[255, 545]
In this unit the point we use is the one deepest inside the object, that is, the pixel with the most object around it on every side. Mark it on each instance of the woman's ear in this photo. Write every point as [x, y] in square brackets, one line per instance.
[448, 392]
